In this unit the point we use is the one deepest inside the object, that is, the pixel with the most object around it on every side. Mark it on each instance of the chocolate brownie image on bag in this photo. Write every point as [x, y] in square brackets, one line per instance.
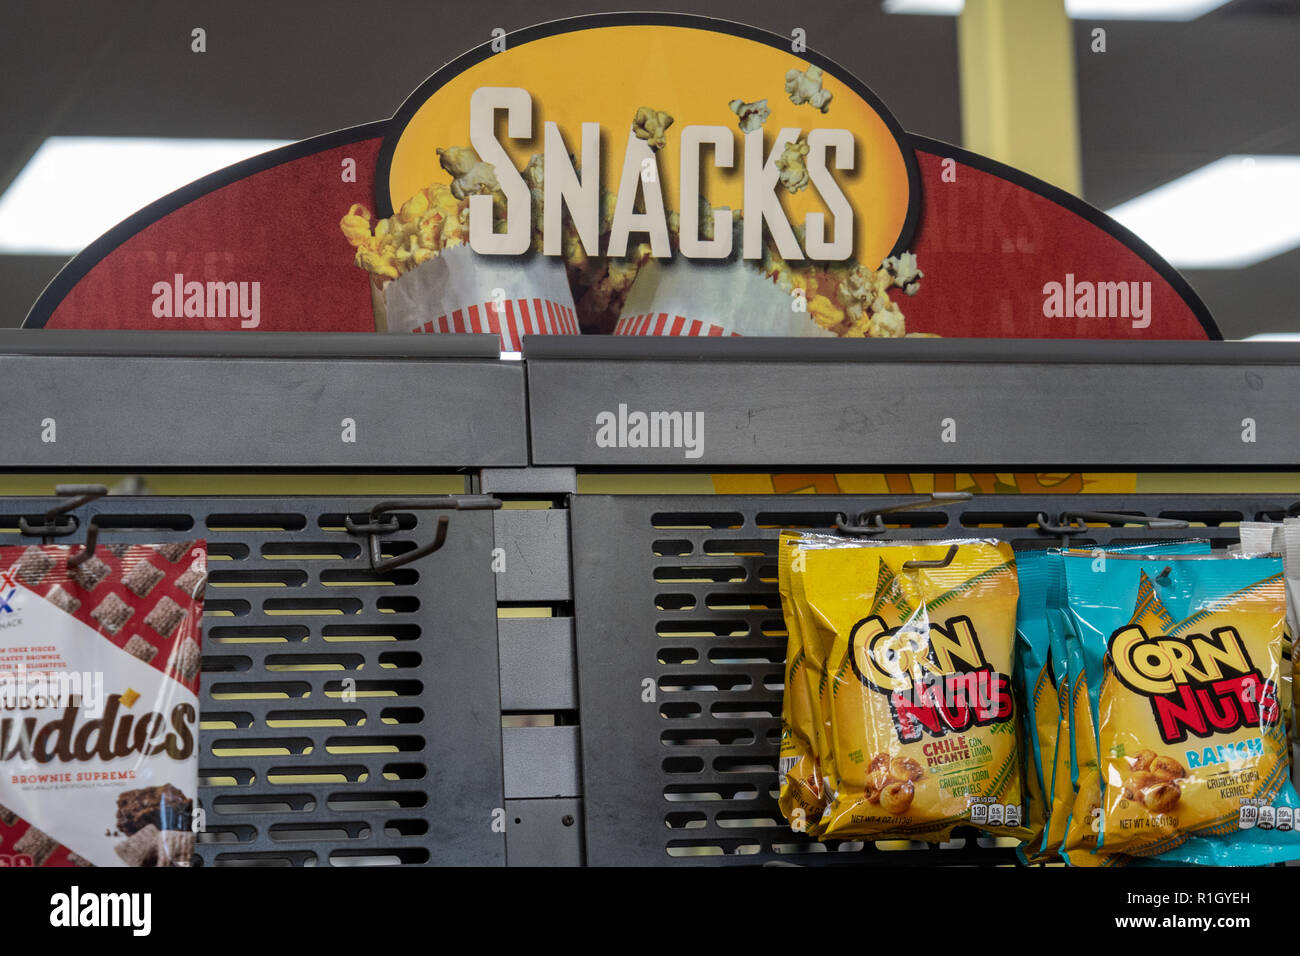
[163, 807]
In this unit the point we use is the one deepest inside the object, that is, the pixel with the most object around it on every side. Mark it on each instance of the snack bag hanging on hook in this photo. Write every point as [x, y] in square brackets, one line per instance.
[923, 722]
[99, 706]
[803, 798]
[1076, 809]
[1060, 791]
[807, 765]
[1268, 537]
[1192, 747]
[1038, 692]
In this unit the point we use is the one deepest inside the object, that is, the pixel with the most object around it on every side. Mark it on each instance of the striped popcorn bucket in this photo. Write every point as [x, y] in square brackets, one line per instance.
[662, 323]
[728, 298]
[460, 291]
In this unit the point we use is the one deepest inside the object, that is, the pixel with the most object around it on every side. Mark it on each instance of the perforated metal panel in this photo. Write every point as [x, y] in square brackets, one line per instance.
[293, 772]
[677, 596]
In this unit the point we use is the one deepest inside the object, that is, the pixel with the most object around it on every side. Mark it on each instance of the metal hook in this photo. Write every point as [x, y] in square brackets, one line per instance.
[92, 540]
[51, 527]
[1118, 517]
[377, 526]
[845, 526]
[1076, 526]
[870, 521]
[935, 563]
[1289, 512]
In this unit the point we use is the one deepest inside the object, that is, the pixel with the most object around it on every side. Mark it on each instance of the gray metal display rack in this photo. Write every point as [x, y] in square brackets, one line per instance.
[680, 592]
[481, 737]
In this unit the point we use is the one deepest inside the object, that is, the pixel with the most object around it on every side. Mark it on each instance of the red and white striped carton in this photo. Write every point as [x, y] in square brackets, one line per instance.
[461, 291]
[730, 298]
[99, 706]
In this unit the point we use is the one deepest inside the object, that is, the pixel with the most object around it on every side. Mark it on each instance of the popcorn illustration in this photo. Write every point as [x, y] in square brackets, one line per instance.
[425, 278]
[651, 125]
[471, 175]
[806, 87]
[794, 172]
[739, 297]
[600, 283]
[751, 115]
[845, 298]
[535, 176]
[430, 221]
[902, 269]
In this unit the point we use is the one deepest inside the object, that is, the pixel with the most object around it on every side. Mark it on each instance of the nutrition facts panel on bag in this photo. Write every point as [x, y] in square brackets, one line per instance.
[995, 814]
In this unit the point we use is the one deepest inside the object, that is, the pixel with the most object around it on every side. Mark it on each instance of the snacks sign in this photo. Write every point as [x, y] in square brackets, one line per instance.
[630, 174]
[733, 188]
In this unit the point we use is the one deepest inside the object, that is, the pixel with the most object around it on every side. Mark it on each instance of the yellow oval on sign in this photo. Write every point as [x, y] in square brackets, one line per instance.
[603, 69]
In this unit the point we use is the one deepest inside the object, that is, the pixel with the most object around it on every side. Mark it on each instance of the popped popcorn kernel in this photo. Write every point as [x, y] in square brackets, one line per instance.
[887, 324]
[791, 163]
[750, 115]
[651, 125]
[471, 175]
[825, 312]
[806, 87]
[903, 272]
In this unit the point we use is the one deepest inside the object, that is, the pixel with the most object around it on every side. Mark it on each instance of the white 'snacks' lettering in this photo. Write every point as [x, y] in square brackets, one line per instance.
[826, 150]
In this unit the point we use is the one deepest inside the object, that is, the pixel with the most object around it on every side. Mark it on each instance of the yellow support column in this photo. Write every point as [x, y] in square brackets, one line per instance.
[1018, 99]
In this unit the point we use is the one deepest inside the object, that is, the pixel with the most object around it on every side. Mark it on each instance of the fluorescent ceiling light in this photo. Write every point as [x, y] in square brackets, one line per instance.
[1233, 213]
[942, 7]
[1082, 9]
[76, 188]
[1273, 337]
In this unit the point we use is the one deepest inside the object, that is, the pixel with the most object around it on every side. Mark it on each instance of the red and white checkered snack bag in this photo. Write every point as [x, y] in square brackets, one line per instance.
[460, 291]
[99, 706]
[711, 299]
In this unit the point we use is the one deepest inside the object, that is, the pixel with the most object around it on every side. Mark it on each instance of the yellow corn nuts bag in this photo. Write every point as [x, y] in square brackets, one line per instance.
[923, 728]
[802, 794]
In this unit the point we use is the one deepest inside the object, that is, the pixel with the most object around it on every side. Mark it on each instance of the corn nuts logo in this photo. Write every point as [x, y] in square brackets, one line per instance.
[936, 678]
[1198, 685]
